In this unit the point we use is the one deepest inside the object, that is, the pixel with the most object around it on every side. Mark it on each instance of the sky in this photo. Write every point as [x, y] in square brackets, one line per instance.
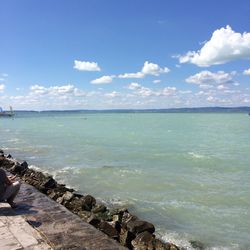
[124, 54]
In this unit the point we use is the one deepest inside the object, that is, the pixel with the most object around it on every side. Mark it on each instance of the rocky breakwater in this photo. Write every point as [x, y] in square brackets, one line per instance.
[118, 224]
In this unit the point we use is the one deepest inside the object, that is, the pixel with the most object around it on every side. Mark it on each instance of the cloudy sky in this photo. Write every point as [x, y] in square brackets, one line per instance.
[96, 54]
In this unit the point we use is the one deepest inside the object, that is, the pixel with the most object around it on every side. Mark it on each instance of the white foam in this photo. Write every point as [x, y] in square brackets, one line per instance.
[175, 238]
[196, 155]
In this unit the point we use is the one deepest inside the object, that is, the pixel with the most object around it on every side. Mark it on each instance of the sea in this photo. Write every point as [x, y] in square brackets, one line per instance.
[187, 173]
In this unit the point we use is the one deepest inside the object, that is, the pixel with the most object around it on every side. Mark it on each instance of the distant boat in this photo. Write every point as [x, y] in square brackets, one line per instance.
[6, 113]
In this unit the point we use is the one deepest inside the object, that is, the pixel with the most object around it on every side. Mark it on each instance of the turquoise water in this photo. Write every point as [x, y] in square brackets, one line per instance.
[189, 174]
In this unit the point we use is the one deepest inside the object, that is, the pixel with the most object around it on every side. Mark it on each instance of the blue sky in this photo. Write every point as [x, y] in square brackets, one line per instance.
[109, 54]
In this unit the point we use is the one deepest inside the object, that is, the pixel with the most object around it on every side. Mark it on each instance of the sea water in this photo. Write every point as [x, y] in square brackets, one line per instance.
[187, 173]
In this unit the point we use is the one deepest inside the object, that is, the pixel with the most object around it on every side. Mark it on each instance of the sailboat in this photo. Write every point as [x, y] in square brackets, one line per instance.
[6, 113]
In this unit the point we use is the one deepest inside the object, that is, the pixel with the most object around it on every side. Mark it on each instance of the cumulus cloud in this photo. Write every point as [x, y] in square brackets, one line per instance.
[103, 80]
[153, 69]
[246, 72]
[145, 92]
[225, 45]
[206, 79]
[86, 66]
[55, 90]
[169, 91]
[2, 87]
[147, 69]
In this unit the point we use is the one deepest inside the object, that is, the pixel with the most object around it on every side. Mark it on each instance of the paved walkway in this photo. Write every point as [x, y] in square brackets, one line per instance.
[16, 233]
[51, 222]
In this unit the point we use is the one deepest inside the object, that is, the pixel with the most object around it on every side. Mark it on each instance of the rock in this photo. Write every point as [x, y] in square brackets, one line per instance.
[53, 195]
[75, 205]
[126, 237]
[19, 168]
[93, 220]
[197, 244]
[68, 196]
[99, 209]
[1, 151]
[143, 241]
[84, 215]
[138, 226]
[9, 156]
[50, 183]
[126, 217]
[108, 229]
[24, 164]
[59, 200]
[88, 202]
[159, 245]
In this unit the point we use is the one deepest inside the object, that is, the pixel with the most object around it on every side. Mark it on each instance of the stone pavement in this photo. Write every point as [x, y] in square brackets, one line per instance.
[52, 223]
[16, 233]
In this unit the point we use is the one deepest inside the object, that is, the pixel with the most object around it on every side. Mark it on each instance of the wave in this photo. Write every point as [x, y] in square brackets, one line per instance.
[197, 156]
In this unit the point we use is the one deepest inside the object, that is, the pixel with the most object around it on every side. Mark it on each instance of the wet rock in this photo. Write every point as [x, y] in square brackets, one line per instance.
[93, 220]
[125, 238]
[138, 226]
[108, 229]
[68, 196]
[1, 151]
[159, 245]
[143, 241]
[126, 217]
[197, 244]
[50, 183]
[99, 209]
[9, 156]
[88, 202]
[19, 168]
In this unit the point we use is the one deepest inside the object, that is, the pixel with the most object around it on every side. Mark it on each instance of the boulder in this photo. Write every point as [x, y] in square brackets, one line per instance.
[68, 196]
[19, 168]
[99, 209]
[125, 238]
[139, 226]
[143, 241]
[88, 202]
[105, 227]
[50, 183]
[93, 220]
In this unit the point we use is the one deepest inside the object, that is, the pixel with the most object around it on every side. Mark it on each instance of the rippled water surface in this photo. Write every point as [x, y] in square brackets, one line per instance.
[189, 174]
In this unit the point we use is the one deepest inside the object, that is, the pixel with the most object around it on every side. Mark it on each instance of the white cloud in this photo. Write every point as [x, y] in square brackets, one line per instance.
[38, 89]
[153, 69]
[207, 79]
[132, 75]
[55, 90]
[103, 80]
[112, 94]
[2, 88]
[169, 91]
[86, 66]
[246, 72]
[147, 69]
[134, 85]
[5, 75]
[157, 81]
[225, 45]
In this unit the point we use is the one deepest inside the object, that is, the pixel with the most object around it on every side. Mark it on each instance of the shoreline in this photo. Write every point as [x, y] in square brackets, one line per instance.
[119, 224]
